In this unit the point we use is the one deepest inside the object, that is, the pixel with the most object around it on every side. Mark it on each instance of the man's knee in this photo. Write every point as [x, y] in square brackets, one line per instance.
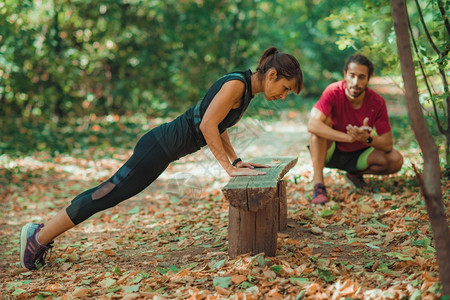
[385, 163]
[395, 161]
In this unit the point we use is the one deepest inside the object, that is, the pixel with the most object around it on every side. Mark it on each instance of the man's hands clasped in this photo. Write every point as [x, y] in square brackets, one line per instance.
[359, 133]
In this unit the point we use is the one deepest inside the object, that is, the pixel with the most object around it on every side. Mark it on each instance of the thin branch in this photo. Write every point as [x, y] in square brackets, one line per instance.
[441, 55]
[444, 80]
[447, 92]
[444, 16]
[436, 116]
[426, 29]
[443, 75]
[420, 180]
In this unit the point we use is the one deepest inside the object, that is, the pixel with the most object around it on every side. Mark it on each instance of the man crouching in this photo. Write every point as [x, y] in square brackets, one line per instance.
[350, 130]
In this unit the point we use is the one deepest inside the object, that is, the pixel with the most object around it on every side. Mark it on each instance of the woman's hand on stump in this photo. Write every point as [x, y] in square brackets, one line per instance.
[250, 165]
[245, 172]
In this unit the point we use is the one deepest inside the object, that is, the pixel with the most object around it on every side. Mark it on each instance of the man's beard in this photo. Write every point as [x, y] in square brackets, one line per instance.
[355, 93]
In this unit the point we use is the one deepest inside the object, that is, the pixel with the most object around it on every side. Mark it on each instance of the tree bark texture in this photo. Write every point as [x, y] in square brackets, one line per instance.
[431, 184]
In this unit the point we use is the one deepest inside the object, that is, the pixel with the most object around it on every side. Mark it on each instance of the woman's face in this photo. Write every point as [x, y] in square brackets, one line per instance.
[278, 89]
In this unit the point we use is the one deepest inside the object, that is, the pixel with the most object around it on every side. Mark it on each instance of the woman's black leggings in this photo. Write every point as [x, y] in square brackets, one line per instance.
[145, 165]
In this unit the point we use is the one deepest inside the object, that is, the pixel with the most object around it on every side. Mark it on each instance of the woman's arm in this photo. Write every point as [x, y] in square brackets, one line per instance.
[229, 150]
[227, 98]
[232, 154]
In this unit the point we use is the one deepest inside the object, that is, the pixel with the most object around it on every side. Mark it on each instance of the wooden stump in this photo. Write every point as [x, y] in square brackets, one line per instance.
[258, 208]
[282, 206]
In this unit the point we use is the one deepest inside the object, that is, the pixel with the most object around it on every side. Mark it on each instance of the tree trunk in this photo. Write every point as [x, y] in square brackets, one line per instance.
[447, 153]
[431, 183]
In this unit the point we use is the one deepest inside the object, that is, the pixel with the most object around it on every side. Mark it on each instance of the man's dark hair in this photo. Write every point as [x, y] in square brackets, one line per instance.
[360, 60]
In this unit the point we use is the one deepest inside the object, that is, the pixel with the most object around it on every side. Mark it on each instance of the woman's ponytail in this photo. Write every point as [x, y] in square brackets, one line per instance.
[285, 64]
[265, 58]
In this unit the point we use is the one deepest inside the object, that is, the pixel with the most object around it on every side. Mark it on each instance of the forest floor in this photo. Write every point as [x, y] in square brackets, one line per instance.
[170, 241]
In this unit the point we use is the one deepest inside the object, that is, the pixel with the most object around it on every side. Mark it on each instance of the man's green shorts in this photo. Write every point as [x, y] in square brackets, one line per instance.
[351, 162]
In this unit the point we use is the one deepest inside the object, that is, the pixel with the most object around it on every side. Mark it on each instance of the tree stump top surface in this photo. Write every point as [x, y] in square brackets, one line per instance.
[253, 192]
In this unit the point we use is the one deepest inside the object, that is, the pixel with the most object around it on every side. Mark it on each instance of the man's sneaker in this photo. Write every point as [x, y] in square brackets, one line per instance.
[320, 194]
[356, 179]
[32, 253]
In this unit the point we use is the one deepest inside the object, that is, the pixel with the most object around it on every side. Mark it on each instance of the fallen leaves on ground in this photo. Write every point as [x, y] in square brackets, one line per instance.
[374, 243]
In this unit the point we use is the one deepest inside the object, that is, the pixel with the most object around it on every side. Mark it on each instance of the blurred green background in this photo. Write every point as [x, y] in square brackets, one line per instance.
[68, 66]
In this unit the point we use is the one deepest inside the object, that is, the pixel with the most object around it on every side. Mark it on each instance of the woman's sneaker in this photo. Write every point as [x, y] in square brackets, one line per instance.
[320, 194]
[32, 253]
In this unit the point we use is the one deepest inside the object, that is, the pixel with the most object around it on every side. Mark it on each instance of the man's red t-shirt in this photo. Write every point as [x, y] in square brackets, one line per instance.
[334, 103]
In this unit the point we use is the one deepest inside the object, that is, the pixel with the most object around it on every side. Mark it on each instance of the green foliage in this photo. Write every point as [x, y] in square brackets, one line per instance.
[76, 136]
[367, 26]
[117, 56]
[326, 275]
[61, 60]
[72, 58]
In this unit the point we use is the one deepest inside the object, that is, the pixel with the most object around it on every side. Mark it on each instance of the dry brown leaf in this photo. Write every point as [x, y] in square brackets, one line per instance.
[110, 252]
[81, 292]
[389, 236]
[181, 274]
[222, 291]
[131, 296]
[300, 269]
[283, 235]
[53, 287]
[366, 209]
[238, 279]
[348, 288]
[67, 296]
[66, 266]
[246, 296]
[421, 261]
[269, 273]
[313, 289]
[428, 277]
[307, 251]
[125, 277]
[273, 295]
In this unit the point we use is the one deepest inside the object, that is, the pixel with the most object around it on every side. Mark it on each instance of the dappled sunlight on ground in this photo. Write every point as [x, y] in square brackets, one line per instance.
[170, 241]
